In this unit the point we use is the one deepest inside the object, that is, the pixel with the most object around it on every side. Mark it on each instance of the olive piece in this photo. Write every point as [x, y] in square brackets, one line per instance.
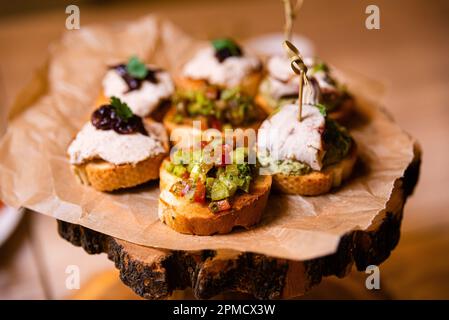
[135, 83]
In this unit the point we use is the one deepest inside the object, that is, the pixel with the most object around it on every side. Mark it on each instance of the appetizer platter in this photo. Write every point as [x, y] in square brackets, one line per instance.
[203, 164]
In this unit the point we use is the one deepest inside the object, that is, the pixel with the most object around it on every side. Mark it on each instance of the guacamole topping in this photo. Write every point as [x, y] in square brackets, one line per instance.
[222, 109]
[211, 174]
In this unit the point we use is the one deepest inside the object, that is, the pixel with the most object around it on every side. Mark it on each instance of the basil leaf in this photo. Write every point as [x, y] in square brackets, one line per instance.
[136, 68]
[121, 108]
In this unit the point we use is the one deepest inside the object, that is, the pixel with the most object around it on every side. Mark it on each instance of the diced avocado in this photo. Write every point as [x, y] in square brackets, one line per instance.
[195, 170]
[178, 118]
[198, 171]
[209, 182]
[180, 157]
[229, 93]
[232, 169]
[239, 155]
[194, 108]
[169, 166]
[190, 166]
[197, 156]
[232, 107]
[230, 183]
[179, 170]
[219, 191]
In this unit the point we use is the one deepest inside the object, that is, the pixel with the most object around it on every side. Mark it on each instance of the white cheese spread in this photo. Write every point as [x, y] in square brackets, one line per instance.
[229, 73]
[92, 143]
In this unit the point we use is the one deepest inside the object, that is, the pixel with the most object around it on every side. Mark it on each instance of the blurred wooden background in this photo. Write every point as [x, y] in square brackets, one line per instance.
[409, 54]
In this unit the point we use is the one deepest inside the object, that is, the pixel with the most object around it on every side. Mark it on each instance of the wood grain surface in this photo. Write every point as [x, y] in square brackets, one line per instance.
[155, 273]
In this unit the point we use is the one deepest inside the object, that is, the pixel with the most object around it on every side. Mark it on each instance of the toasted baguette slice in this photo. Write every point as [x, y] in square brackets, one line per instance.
[249, 84]
[180, 131]
[194, 218]
[317, 182]
[341, 114]
[106, 176]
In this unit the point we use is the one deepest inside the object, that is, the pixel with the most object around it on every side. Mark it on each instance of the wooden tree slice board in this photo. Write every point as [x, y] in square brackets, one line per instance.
[155, 273]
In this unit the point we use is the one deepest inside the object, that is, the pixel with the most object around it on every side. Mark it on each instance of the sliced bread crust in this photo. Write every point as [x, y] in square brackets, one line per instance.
[317, 182]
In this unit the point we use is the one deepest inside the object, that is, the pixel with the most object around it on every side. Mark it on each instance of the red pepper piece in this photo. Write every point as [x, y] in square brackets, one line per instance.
[200, 192]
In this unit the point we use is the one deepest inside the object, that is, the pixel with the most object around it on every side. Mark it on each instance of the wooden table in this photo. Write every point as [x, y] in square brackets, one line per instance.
[409, 53]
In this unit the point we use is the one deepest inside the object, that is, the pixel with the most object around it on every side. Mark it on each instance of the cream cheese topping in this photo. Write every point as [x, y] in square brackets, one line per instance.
[285, 138]
[284, 82]
[144, 100]
[92, 143]
[230, 73]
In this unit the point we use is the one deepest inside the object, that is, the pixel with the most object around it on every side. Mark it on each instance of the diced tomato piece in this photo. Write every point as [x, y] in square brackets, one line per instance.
[212, 93]
[225, 155]
[200, 192]
[204, 143]
[185, 175]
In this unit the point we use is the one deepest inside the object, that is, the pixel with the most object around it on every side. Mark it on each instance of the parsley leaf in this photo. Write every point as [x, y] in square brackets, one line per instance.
[121, 108]
[322, 108]
[225, 43]
[136, 68]
[321, 66]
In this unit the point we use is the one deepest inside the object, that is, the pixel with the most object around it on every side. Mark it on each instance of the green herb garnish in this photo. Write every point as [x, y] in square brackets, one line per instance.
[225, 43]
[121, 108]
[322, 108]
[321, 66]
[338, 140]
[136, 68]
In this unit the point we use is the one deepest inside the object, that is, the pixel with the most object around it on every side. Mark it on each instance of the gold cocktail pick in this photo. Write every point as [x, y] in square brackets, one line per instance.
[298, 66]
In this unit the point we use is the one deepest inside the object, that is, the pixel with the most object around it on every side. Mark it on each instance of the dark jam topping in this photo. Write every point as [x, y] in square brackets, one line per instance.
[107, 118]
[134, 83]
[225, 53]
[225, 48]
